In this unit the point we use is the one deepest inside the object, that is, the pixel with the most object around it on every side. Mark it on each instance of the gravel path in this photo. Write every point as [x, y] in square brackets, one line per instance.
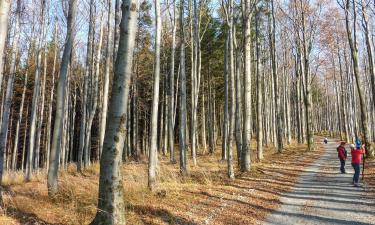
[324, 196]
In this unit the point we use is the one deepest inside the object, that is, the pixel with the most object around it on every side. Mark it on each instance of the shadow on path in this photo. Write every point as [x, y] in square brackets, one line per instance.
[324, 196]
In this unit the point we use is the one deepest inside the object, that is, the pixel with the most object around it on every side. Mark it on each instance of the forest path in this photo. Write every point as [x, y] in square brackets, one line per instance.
[322, 195]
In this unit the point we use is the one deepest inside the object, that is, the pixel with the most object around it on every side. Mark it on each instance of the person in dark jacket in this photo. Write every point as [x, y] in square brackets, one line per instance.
[342, 154]
[357, 152]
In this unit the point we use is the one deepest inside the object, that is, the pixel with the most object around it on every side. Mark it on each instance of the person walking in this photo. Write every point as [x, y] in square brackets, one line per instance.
[357, 151]
[342, 154]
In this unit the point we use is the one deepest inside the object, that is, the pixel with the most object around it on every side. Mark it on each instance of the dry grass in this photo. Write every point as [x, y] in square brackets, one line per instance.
[205, 195]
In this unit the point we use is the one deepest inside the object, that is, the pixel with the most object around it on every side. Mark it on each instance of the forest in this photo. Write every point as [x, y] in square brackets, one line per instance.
[182, 111]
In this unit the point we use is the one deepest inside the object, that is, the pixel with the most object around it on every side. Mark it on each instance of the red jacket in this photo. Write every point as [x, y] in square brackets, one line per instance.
[357, 155]
[341, 152]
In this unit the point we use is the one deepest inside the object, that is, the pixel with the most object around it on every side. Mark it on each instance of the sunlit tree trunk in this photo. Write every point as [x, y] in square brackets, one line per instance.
[56, 140]
[238, 119]
[354, 54]
[106, 78]
[4, 13]
[111, 194]
[83, 148]
[171, 90]
[9, 91]
[40, 115]
[259, 91]
[50, 107]
[155, 102]
[24, 139]
[277, 105]
[246, 143]
[369, 48]
[35, 101]
[18, 125]
[306, 50]
[182, 108]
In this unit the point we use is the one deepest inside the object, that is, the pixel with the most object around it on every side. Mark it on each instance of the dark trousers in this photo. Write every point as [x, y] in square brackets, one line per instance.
[357, 171]
[342, 167]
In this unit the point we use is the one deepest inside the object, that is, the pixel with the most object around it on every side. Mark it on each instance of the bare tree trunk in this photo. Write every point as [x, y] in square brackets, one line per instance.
[19, 121]
[238, 118]
[50, 107]
[182, 116]
[24, 140]
[259, 92]
[306, 49]
[155, 102]
[224, 148]
[277, 108]
[41, 112]
[116, 29]
[354, 53]
[231, 92]
[106, 78]
[9, 91]
[4, 13]
[171, 85]
[93, 94]
[204, 141]
[245, 153]
[83, 139]
[111, 195]
[56, 140]
[35, 101]
[369, 47]
[194, 69]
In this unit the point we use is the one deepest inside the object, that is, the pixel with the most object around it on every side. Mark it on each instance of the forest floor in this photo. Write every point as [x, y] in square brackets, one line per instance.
[323, 195]
[205, 196]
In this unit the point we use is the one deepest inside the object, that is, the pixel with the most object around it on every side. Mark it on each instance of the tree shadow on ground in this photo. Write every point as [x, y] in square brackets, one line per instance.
[163, 214]
[26, 218]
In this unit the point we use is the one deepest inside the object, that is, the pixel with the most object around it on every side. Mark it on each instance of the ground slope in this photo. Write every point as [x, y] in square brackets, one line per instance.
[205, 196]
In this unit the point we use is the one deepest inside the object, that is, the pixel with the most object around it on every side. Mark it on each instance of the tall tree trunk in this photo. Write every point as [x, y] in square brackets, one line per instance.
[83, 139]
[18, 125]
[259, 91]
[9, 91]
[111, 195]
[155, 102]
[35, 101]
[354, 53]
[4, 13]
[171, 85]
[238, 118]
[204, 140]
[225, 124]
[245, 153]
[50, 107]
[277, 108]
[93, 100]
[369, 47]
[40, 115]
[306, 49]
[194, 76]
[57, 130]
[24, 139]
[106, 78]
[182, 116]
[231, 91]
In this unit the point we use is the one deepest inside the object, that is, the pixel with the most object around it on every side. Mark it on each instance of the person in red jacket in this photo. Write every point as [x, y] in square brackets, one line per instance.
[357, 152]
[342, 154]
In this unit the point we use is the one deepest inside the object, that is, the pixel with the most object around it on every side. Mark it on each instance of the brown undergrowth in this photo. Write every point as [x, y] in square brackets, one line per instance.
[205, 196]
